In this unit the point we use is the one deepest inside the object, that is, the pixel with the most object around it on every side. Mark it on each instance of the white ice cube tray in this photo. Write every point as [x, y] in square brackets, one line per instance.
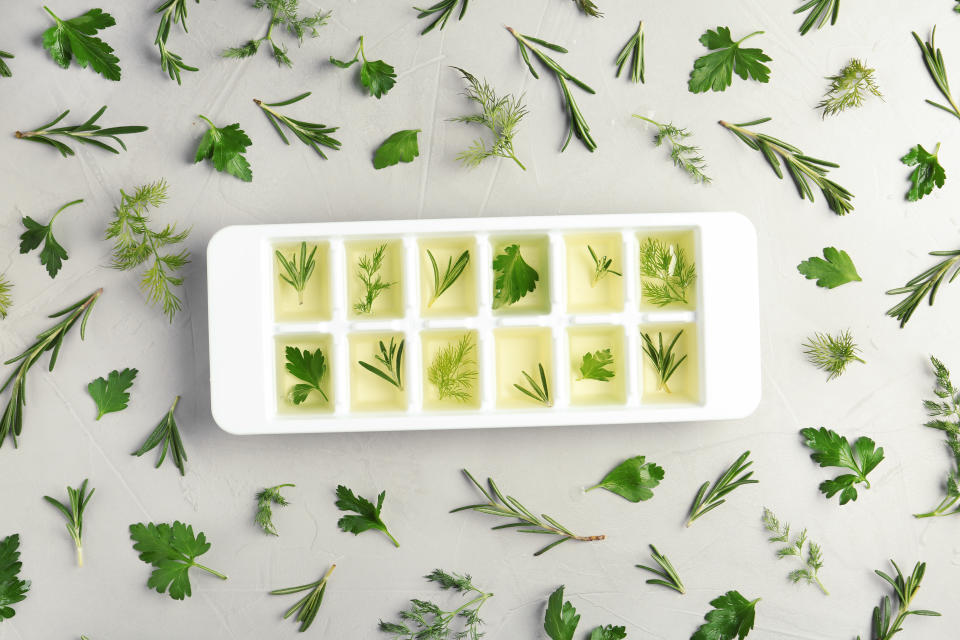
[248, 333]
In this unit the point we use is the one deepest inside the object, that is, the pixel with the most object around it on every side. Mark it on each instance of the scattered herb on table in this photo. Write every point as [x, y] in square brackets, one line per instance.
[312, 134]
[392, 358]
[111, 395]
[593, 366]
[813, 562]
[310, 368]
[78, 500]
[453, 271]
[928, 173]
[803, 168]
[453, 370]
[6, 299]
[513, 277]
[608, 632]
[53, 254]
[283, 14]
[309, 605]
[172, 549]
[665, 272]
[85, 133]
[849, 88]
[172, 12]
[830, 449]
[75, 39]
[402, 146]
[561, 618]
[4, 69]
[225, 148]
[502, 506]
[297, 275]
[668, 576]
[13, 588]
[577, 123]
[49, 340]
[832, 353]
[732, 617]
[376, 75]
[167, 434]
[429, 620]
[715, 70]
[601, 267]
[956, 9]
[926, 283]
[501, 116]
[267, 498]
[663, 359]
[709, 498]
[633, 51]
[685, 156]
[885, 625]
[633, 479]
[368, 272]
[933, 59]
[538, 391]
[368, 515]
[588, 7]
[945, 414]
[443, 10]
[832, 270]
[819, 10]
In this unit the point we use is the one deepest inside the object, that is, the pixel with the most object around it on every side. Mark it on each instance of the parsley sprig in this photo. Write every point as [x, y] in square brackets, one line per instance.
[710, 497]
[78, 499]
[367, 514]
[53, 254]
[885, 625]
[224, 147]
[376, 75]
[820, 11]
[13, 588]
[813, 562]
[173, 550]
[312, 134]
[927, 174]
[668, 576]
[171, 12]
[593, 366]
[832, 270]
[308, 367]
[168, 434]
[501, 115]
[84, 133]
[111, 394]
[442, 10]
[75, 39]
[267, 498]
[298, 274]
[714, 71]
[283, 14]
[634, 479]
[513, 277]
[924, 285]
[560, 619]
[830, 449]
[309, 605]
[933, 59]
[732, 617]
[633, 51]
[429, 620]
[945, 416]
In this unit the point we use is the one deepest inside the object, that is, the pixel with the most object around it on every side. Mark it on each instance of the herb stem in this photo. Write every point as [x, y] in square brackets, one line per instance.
[207, 569]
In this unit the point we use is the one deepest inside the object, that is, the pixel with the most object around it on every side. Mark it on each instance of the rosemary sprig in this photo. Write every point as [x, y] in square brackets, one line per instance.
[885, 626]
[578, 125]
[537, 391]
[502, 506]
[78, 500]
[283, 13]
[849, 88]
[445, 9]
[820, 10]
[812, 563]
[633, 51]
[6, 300]
[685, 156]
[4, 69]
[311, 134]
[832, 353]
[924, 285]
[668, 576]
[168, 434]
[450, 274]
[735, 476]
[85, 133]
[589, 7]
[49, 340]
[933, 58]
[367, 272]
[803, 168]
[392, 358]
[945, 414]
[172, 12]
[307, 607]
[601, 267]
[430, 622]
[665, 273]
[501, 116]
[664, 360]
[297, 275]
[266, 499]
[453, 370]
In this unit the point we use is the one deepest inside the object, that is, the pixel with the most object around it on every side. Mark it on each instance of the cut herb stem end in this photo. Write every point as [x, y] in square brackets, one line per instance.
[211, 571]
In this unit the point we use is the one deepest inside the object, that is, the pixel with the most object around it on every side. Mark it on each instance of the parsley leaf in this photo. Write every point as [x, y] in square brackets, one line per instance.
[714, 71]
[369, 517]
[633, 479]
[561, 619]
[732, 617]
[513, 278]
[376, 75]
[225, 147]
[172, 549]
[111, 394]
[928, 172]
[75, 39]
[309, 367]
[833, 450]
[594, 366]
[608, 632]
[53, 254]
[834, 269]
[400, 147]
[12, 588]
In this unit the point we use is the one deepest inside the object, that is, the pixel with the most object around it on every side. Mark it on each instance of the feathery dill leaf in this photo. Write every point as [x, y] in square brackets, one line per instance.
[945, 416]
[924, 285]
[283, 14]
[172, 12]
[663, 359]
[368, 268]
[832, 353]
[167, 434]
[53, 254]
[84, 133]
[453, 370]
[813, 562]
[538, 391]
[849, 88]
[308, 606]
[6, 299]
[710, 497]
[4, 69]
[424, 619]
[312, 134]
[820, 11]
[601, 267]
[78, 500]
[390, 357]
[933, 59]
[885, 625]
[501, 116]
[668, 576]
[445, 9]
[297, 274]
[685, 156]
[665, 273]
[453, 271]
[267, 498]
[634, 52]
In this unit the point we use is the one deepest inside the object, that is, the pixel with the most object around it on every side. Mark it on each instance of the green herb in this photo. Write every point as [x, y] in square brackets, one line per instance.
[509, 507]
[501, 116]
[945, 414]
[933, 59]
[537, 391]
[453, 370]
[513, 277]
[135, 243]
[167, 433]
[832, 353]
[78, 500]
[633, 479]
[6, 300]
[812, 563]
[956, 9]
[832, 270]
[53, 254]
[664, 361]
[13, 589]
[684, 156]
[75, 39]
[803, 168]
[561, 618]
[709, 498]
[401, 146]
[589, 8]
[594, 365]
[266, 499]
[732, 617]
[368, 515]
[307, 607]
[48, 340]
[111, 395]
[445, 9]
[577, 123]
[392, 358]
[4, 69]
[368, 272]
[311, 134]
[666, 273]
[308, 367]
[928, 173]
[602, 266]
[430, 621]
[668, 576]
[172, 549]
[927, 282]
[297, 275]
[885, 626]
[283, 14]
[172, 12]
[633, 51]
[820, 10]
[450, 274]
[376, 75]
[225, 148]
[849, 88]
[830, 449]
[86, 133]
[608, 632]
[714, 71]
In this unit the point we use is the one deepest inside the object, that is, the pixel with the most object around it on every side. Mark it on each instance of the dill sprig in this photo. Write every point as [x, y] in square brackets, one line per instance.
[501, 116]
[266, 499]
[685, 156]
[135, 244]
[49, 340]
[849, 88]
[803, 168]
[502, 506]
[78, 500]
[450, 274]
[663, 359]
[367, 271]
[578, 125]
[709, 498]
[4, 69]
[588, 7]
[633, 51]
[924, 285]
[832, 353]
[6, 300]
[820, 10]
[173, 11]
[283, 14]
[453, 370]
[537, 391]
[668, 575]
[297, 275]
[430, 621]
[307, 607]
[309, 133]
[392, 358]
[666, 274]
[601, 267]
[813, 562]
[945, 414]
[445, 9]
[885, 626]
[933, 58]
[85, 133]
[167, 433]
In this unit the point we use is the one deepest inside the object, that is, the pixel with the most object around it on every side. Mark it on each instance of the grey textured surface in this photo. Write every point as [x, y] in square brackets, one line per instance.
[547, 468]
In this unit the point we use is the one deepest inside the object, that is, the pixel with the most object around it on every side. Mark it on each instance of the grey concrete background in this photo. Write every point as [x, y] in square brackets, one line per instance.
[547, 468]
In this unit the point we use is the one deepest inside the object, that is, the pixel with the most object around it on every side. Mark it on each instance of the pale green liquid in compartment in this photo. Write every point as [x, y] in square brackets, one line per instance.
[285, 381]
[433, 342]
[589, 339]
[316, 293]
[583, 295]
[685, 240]
[521, 349]
[389, 304]
[535, 252]
[369, 392]
[684, 384]
[461, 298]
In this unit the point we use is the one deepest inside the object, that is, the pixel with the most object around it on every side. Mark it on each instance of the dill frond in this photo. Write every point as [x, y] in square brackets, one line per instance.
[6, 300]
[427, 620]
[666, 274]
[283, 14]
[685, 156]
[367, 271]
[780, 532]
[266, 498]
[602, 267]
[849, 88]
[944, 415]
[454, 369]
[501, 116]
[832, 353]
